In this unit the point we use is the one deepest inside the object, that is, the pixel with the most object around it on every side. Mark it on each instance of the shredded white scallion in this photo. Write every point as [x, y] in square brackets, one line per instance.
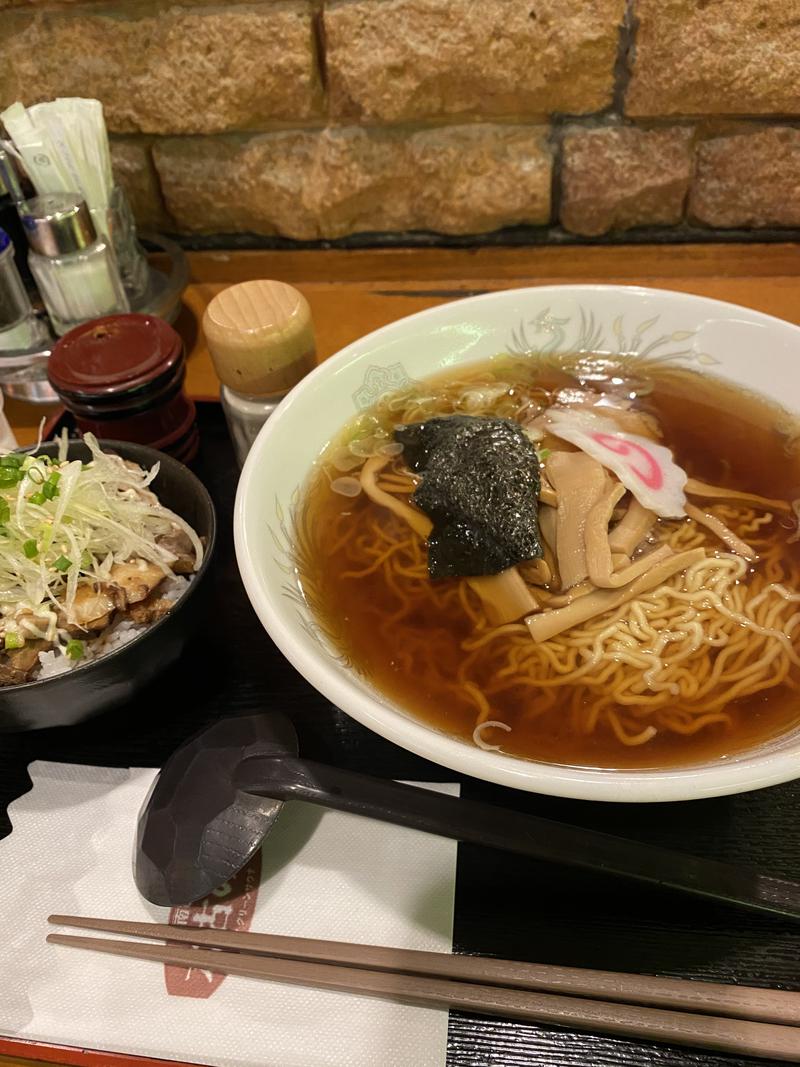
[92, 516]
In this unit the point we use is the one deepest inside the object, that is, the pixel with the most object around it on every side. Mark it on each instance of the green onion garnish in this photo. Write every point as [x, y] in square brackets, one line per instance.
[5, 512]
[11, 460]
[35, 475]
[62, 564]
[13, 641]
[74, 649]
[9, 477]
[544, 453]
[37, 498]
[86, 559]
[49, 491]
[31, 549]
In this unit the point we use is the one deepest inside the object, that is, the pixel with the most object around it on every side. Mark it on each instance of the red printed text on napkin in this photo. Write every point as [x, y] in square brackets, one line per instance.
[231, 907]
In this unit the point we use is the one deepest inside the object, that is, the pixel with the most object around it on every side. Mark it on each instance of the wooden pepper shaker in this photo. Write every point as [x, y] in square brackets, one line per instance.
[261, 341]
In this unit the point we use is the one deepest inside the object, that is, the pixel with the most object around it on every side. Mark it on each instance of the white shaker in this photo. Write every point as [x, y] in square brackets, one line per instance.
[261, 341]
[76, 271]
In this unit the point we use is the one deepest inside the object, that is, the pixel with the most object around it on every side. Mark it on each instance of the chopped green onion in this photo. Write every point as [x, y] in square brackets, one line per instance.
[35, 475]
[74, 649]
[111, 515]
[544, 453]
[13, 641]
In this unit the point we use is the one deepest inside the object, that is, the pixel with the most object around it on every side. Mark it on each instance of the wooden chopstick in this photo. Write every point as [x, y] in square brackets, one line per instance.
[653, 1024]
[710, 998]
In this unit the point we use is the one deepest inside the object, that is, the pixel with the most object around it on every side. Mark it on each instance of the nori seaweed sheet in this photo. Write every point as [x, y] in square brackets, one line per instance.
[479, 488]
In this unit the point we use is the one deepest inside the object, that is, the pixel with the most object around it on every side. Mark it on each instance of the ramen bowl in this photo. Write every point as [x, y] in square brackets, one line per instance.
[741, 347]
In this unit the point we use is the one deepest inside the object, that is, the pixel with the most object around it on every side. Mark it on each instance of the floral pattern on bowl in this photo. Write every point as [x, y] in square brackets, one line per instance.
[584, 333]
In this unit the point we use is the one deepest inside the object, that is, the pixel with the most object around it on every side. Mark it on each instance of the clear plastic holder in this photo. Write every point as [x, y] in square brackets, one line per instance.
[131, 259]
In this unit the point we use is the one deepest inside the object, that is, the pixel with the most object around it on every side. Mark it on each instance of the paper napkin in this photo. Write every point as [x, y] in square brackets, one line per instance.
[323, 874]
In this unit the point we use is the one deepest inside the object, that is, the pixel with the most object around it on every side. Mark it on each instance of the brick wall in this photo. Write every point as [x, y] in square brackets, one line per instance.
[314, 119]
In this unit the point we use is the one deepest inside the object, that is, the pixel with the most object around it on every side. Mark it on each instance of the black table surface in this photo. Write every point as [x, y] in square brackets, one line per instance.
[505, 906]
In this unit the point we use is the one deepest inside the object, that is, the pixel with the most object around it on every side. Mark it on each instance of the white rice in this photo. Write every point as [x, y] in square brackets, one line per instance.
[119, 633]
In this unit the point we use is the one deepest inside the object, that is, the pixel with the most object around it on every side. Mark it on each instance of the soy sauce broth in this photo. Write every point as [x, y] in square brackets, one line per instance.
[717, 432]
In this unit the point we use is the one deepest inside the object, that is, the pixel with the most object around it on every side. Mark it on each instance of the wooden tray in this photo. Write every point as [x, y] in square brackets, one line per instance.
[505, 906]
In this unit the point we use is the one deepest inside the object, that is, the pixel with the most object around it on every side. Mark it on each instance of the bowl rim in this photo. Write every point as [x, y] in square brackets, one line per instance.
[648, 785]
[158, 457]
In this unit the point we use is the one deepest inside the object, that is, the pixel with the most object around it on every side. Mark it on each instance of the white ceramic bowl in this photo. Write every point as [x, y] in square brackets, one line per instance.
[754, 350]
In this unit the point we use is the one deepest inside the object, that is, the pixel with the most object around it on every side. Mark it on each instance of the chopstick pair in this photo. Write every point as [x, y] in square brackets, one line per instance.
[739, 1019]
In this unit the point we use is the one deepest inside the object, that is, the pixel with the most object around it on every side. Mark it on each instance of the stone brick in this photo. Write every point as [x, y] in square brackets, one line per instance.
[134, 171]
[40, 3]
[406, 60]
[343, 180]
[237, 184]
[462, 179]
[748, 179]
[716, 57]
[620, 177]
[175, 70]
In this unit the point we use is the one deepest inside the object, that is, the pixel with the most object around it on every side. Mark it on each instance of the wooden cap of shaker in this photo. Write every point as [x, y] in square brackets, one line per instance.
[260, 336]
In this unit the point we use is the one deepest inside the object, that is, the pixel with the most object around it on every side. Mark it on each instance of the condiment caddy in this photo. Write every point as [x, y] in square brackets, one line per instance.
[84, 255]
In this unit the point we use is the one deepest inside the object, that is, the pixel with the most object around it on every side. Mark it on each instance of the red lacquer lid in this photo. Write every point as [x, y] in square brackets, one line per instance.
[114, 354]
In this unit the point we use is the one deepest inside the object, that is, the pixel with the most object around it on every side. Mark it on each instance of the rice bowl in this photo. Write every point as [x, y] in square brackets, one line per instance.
[132, 655]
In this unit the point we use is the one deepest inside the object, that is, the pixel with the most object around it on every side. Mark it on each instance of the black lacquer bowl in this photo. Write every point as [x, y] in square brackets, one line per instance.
[115, 678]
